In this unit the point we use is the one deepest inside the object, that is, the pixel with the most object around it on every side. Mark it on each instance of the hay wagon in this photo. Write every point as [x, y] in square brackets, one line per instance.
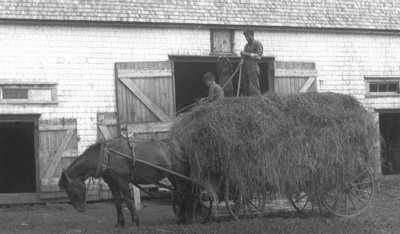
[311, 149]
[351, 198]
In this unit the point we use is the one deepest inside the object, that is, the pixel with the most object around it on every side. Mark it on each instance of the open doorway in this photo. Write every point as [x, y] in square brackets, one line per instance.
[188, 72]
[17, 158]
[389, 127]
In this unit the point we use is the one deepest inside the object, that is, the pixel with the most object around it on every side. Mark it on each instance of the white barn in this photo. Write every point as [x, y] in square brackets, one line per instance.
[72, 72]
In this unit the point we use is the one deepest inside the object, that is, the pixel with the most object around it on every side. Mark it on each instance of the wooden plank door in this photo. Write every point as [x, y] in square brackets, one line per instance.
[294, 77]
[145, 98]
[58, 147]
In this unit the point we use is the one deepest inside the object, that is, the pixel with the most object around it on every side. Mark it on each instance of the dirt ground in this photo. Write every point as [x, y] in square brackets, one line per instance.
[100, 217]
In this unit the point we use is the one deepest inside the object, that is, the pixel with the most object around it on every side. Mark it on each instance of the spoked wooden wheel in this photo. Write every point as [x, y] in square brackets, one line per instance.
[353, 198]
[238, 207]
[306, 202]
[302, 203]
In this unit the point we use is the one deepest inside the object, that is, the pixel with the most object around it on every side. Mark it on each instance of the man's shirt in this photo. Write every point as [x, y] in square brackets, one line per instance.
[256, 48]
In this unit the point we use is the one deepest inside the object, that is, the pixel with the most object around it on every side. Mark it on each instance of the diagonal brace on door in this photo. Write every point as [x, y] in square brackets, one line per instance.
[161, 115]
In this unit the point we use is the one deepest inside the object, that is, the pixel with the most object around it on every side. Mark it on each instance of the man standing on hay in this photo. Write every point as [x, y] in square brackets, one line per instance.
[215, 92]
[251, 54]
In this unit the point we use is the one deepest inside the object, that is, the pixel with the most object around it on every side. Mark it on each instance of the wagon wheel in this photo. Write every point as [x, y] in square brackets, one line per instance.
[307, 201]
[302, 203]
[239, 207]
[353, 198]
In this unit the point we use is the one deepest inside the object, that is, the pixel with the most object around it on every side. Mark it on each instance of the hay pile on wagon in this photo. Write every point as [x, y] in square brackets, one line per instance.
[277, 143]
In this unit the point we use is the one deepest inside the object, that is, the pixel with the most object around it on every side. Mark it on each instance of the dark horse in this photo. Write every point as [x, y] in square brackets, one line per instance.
[104, 160]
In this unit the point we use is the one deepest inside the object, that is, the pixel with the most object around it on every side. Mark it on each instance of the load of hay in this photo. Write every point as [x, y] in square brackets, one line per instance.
[277, 143]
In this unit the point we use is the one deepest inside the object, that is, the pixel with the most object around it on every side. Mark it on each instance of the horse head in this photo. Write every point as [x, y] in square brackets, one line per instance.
[75, 189]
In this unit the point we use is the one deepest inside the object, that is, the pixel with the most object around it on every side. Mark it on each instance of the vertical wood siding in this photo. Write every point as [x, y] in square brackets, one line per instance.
[58, 147]
[294, 77]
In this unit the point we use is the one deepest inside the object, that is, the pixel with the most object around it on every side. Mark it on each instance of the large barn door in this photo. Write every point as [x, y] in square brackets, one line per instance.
[58, 147]
[145, 98]
[294, 77]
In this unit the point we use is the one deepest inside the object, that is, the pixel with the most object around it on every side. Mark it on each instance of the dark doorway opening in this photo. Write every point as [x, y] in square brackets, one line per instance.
[17, 156]
[189, 86]
[389, 127]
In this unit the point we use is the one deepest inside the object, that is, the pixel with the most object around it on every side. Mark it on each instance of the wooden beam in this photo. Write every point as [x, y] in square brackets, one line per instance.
[150, 127]
[134, 73]
[57, 157]
[307, 85]
[295, 73]
[70, 154]
[157, 111]
[18, 198]
[56, 127]
[105, 132]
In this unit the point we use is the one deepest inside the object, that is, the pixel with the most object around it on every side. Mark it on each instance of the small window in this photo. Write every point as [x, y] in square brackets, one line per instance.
[373, 88]
[41, 93]
[15, 93]
[383, 86]
[394, 87]
[222, 41]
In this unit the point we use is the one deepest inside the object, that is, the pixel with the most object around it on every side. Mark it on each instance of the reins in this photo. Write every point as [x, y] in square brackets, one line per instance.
[104, 156]
[148, 164]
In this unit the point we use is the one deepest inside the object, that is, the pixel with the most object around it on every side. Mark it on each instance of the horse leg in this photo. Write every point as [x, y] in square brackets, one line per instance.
[129, 200]
[179, 198]
[117, 201]
[122, 182]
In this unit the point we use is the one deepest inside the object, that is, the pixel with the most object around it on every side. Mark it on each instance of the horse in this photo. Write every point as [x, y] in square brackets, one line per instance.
[108, 160]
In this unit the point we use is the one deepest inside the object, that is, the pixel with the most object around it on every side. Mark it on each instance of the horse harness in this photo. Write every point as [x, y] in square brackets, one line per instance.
[103, 162]
[104, 159]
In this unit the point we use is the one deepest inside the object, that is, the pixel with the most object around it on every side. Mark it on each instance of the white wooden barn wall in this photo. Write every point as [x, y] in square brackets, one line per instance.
[81, 60]
[342, 60]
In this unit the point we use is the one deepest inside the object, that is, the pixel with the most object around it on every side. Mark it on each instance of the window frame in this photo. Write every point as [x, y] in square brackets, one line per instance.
[231, 39]
[382, 80]
[52, 87]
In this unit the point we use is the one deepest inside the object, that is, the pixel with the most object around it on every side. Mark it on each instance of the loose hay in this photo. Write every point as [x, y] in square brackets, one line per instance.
[277, 143]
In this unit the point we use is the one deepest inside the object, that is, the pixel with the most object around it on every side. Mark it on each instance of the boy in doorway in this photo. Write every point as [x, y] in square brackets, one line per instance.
[215, 92]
